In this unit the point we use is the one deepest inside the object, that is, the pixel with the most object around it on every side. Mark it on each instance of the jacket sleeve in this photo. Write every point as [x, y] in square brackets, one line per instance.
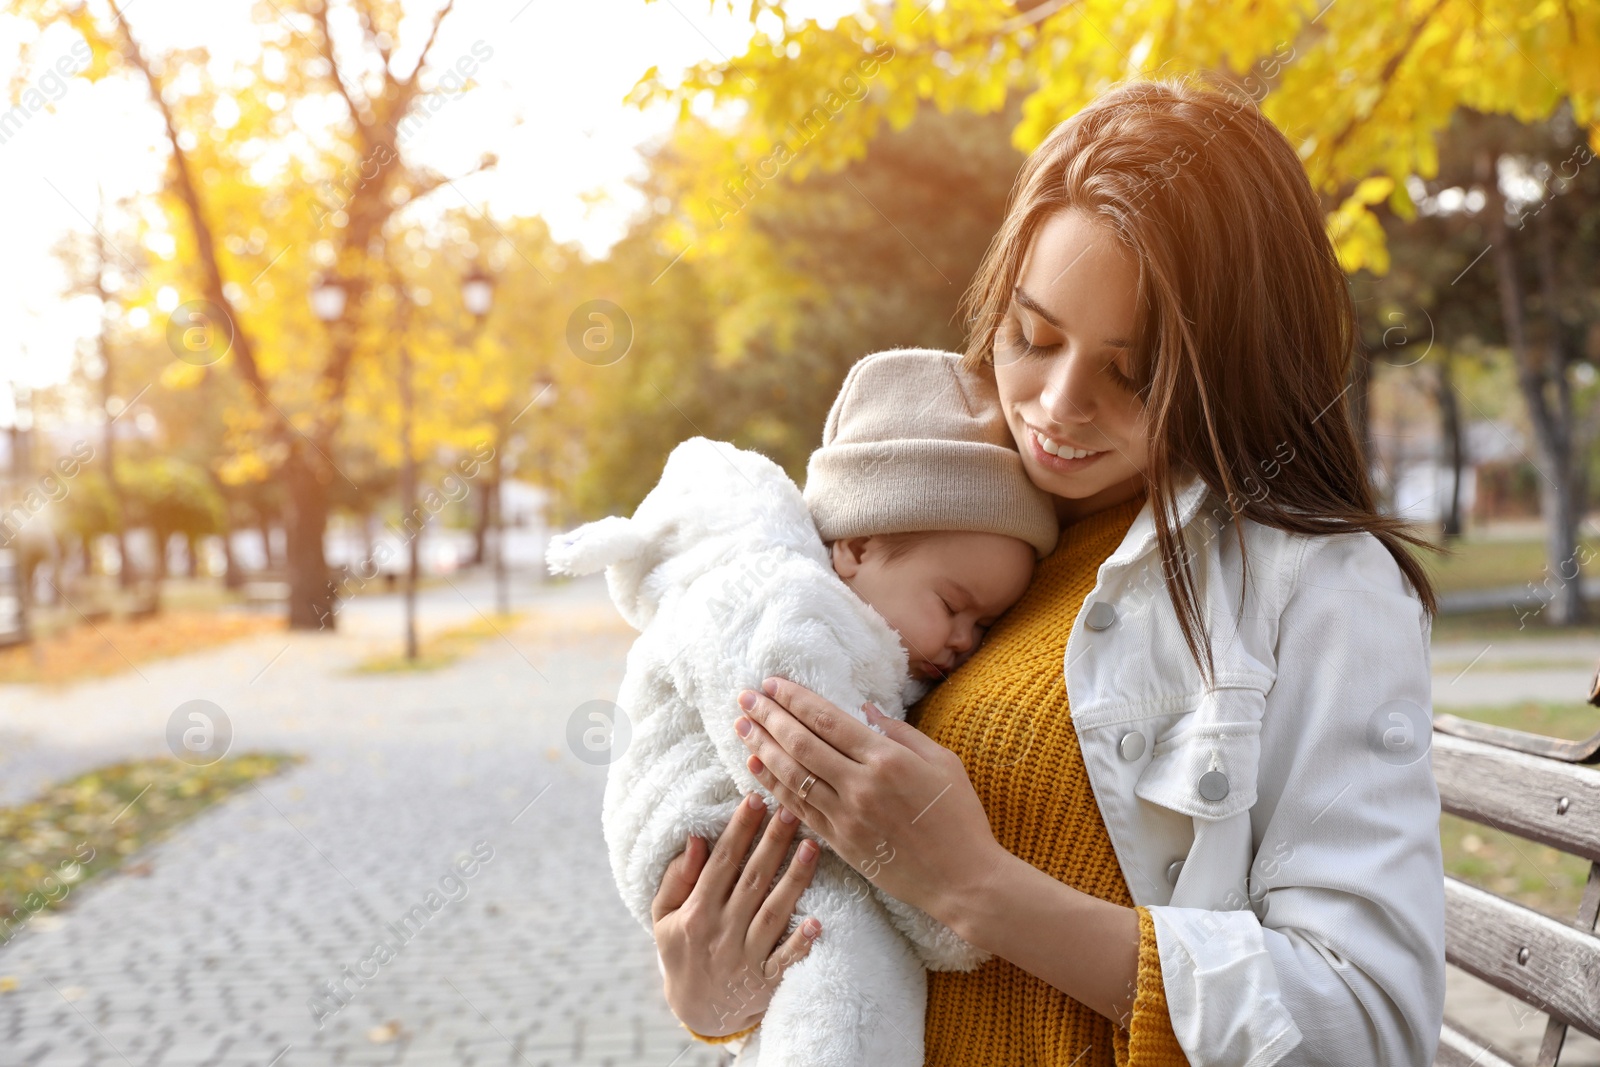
[1337, 955]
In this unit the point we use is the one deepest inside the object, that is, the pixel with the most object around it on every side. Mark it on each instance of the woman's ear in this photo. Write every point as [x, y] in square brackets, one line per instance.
[847, 554]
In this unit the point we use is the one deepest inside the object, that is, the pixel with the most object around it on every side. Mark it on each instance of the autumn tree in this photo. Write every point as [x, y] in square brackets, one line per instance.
[257, 237]
[1363, 87]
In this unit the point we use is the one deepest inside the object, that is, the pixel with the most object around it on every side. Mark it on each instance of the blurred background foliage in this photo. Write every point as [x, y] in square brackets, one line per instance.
[826, 193]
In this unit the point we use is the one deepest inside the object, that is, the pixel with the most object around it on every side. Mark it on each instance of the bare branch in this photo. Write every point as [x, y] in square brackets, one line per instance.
[367, 25]
[319, 12]
[432, 180]
[205, 242]
[433, 35]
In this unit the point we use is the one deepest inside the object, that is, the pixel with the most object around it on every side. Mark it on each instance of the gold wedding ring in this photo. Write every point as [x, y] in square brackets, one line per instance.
[805, 786]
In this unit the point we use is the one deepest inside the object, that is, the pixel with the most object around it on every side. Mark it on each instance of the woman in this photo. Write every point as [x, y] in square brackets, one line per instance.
[1181, 792]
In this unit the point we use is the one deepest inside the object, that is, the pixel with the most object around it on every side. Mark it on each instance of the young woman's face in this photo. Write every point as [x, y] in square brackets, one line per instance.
[1062, 362]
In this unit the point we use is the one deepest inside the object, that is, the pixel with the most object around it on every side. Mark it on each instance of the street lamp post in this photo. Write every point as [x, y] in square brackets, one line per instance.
[477, 296]
[544, 396]
[477, 293]
[408, 476]
[328, 299]
[408, 493]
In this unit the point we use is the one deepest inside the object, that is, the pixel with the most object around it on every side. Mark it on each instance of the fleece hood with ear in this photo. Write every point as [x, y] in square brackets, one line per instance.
[676, 534]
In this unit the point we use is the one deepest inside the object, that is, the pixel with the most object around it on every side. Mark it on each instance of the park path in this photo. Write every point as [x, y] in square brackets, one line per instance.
[214, 955]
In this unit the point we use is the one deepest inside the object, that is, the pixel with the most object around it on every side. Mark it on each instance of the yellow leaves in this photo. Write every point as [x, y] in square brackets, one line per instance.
[1371, 190]
[83, 826]
[1364, 89]
[103, 54]
[1401, 204]
[1356, 233]
[244, 468]
[179, 374]
[87, 652]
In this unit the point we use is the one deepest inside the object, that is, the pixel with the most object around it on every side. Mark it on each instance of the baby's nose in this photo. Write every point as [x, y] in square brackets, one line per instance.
[962, 638]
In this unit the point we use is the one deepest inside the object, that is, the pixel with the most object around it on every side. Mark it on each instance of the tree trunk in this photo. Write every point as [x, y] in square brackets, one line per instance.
[125, 572]
[1565, 510]
[1536, 368]
[305, 523]
[232, 574]
[1360, 405]
[264, 525]
[480, 530]
[1450, 431]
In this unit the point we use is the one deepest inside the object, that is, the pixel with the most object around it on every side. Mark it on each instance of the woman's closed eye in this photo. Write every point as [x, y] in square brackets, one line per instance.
[1018, 342]
[1115, 373]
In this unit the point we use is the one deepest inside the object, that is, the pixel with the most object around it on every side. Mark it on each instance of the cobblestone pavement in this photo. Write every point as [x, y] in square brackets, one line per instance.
[219, 954]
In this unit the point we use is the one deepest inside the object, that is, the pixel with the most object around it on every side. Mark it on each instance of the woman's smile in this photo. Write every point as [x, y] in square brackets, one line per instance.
[1054, 454]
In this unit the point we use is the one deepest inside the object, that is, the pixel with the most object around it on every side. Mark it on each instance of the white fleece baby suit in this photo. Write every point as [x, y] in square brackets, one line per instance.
[722, 571]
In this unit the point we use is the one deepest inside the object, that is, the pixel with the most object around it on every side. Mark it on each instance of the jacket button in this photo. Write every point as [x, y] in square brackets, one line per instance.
[1213, 785]
[1101, 616]
[1131, 746]
[1173, 870]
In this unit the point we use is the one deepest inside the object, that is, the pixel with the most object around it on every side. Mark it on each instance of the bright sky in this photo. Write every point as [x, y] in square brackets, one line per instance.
[562, 66]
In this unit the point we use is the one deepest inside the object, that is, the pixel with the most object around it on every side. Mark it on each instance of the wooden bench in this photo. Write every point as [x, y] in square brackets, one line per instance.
[1547, 791]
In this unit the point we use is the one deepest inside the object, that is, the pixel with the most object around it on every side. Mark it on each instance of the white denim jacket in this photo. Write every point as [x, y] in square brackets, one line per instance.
[1282, 826]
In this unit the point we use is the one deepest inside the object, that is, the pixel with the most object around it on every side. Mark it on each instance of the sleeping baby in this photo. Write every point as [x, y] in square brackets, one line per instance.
[916, 529]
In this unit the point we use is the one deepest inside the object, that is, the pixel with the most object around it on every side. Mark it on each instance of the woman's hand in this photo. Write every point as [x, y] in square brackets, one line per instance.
[716, 924]
[897, 806]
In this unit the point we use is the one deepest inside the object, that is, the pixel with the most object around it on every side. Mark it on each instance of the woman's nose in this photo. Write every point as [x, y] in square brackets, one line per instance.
[1068, 394]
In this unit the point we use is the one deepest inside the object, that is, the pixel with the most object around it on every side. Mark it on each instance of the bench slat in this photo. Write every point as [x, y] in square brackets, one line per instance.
[1520, 794]
[1459, 1048]
[1561, 975]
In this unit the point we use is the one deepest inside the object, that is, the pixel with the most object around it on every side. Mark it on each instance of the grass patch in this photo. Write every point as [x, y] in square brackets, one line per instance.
[1505, 624]
[1532, 874]
[1474, 564]
[90, 824]
[111, 646]
[1568, 721]
[442, 648]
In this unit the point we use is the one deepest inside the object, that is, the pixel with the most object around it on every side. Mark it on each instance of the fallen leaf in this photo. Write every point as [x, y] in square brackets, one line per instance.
[382, 1035]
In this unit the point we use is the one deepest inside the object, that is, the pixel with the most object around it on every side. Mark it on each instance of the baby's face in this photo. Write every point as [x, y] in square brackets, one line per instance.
[942, 593]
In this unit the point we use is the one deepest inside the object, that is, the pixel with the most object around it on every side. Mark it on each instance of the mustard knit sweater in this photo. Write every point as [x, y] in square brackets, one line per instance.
[1005, 714]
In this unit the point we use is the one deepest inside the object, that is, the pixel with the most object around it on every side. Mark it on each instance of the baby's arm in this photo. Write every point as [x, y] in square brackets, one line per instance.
[665, 784]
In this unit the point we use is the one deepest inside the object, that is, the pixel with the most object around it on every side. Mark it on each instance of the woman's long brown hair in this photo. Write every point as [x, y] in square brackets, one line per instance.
[1246, 329]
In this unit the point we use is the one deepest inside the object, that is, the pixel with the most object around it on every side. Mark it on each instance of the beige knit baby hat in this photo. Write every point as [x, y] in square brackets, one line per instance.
[913, 442]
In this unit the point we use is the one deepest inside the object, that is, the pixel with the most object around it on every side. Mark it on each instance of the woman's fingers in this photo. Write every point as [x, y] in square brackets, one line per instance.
[679, 880]
[817, 753]
[792, 951]
[723, 866]
[772, 919]
[840, 729]
[761, 869]
[784, 776]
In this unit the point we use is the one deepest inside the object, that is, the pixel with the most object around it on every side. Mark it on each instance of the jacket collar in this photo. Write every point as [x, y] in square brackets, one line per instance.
[1191, 493]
